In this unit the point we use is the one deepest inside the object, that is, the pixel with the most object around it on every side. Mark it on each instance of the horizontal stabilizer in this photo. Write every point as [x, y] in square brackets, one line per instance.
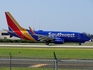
[8, 31]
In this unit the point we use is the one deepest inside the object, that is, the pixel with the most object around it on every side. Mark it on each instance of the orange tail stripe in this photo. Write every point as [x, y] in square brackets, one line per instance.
[23, 33]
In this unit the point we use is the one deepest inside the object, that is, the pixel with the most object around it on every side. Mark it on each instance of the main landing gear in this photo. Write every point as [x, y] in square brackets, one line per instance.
[47, 42]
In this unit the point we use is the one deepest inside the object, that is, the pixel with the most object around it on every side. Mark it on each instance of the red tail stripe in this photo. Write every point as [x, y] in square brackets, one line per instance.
[12, 25]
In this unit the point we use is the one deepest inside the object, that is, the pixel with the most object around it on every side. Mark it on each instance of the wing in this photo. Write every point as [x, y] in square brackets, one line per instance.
[41, 37]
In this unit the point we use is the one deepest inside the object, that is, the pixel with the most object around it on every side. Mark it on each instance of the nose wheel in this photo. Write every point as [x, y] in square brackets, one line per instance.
[79, 43]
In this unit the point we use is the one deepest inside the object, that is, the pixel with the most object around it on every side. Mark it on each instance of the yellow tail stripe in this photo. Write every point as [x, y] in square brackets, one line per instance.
[24, 31]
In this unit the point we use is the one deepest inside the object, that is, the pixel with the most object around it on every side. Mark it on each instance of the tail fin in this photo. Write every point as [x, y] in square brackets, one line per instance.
[12, 23]
[31, 30]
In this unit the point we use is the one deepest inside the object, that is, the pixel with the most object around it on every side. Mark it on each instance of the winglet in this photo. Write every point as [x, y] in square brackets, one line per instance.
[31, 30]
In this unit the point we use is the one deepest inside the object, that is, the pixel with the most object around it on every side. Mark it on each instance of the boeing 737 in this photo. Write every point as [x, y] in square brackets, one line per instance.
[56, 37]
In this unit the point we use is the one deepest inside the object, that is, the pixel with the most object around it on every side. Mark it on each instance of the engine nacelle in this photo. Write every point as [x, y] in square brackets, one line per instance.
[58, 40]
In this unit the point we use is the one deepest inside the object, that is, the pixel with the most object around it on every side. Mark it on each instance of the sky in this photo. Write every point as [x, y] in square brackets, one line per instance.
[54, 15]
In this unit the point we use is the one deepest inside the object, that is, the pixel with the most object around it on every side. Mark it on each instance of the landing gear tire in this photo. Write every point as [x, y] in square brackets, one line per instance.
[47, 43]
[79, 43]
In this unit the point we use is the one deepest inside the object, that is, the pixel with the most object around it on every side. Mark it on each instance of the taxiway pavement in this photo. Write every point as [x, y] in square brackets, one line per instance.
[41, 46]
[42, 63]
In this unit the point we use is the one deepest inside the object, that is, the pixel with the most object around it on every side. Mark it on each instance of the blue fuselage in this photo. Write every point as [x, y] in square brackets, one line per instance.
[67, 36]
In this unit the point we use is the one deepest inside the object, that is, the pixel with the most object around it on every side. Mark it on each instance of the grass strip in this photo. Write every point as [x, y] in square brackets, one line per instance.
[61, 53]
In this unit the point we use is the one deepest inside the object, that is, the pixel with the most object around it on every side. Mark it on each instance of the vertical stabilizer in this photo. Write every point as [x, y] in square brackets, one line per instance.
[12, 23]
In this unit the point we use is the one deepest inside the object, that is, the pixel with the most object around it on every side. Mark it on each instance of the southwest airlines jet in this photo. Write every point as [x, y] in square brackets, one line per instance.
[56, 37]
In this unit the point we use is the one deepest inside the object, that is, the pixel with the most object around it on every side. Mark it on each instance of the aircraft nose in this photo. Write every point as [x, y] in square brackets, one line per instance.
[88, 38]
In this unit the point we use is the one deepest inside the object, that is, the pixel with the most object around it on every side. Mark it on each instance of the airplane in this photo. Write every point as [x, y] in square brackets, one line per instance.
[56, 37]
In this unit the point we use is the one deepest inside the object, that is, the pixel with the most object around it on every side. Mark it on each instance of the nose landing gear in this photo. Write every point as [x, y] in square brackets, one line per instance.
[79, 43]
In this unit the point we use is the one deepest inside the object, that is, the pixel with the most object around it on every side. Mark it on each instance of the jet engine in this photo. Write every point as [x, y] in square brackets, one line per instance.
[58, 40]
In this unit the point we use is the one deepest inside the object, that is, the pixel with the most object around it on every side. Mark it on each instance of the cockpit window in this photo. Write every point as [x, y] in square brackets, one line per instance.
[84, 35]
